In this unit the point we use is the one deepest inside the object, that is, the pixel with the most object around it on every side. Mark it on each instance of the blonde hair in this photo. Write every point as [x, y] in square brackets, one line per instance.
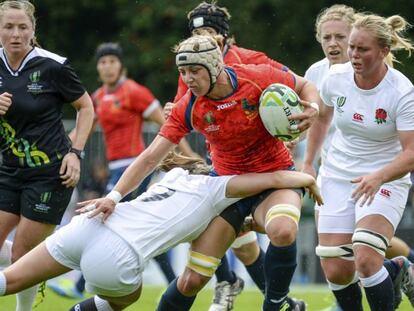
[388, 32]
[203, 32]
[337, 12]
[28, 9]
[211, 7]
[192, 164]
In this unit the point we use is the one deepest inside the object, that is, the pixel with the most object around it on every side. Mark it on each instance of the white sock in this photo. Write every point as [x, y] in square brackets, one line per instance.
[26, 298]
[3, 284]
[375, 279]
[5, 254]
[101, 304]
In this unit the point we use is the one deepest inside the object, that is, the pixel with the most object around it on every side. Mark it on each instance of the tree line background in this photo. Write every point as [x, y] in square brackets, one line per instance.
[148, 29]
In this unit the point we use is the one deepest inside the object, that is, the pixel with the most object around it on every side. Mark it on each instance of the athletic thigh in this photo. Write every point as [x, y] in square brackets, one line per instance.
[216, 239]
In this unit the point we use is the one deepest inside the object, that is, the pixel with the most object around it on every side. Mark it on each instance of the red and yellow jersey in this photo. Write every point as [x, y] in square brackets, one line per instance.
[239, 143]
[120, 114]
[232, 55]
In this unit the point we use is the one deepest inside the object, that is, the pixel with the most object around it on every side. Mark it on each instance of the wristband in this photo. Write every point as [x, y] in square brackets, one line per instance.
[315, 106]
[114, 196]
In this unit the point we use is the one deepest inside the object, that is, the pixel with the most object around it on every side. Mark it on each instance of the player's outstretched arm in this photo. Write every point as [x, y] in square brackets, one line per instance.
[251, 184]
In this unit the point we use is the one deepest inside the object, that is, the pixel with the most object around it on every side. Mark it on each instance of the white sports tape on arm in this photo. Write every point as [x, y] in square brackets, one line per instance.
[114, 196]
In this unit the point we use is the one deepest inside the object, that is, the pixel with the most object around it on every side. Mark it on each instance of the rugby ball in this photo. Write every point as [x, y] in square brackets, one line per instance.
[277, 103]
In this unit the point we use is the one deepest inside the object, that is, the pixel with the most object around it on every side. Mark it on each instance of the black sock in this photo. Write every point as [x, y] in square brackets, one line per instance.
[392, 267]
[80, 284]
[381, 296]
[280, 264]
[173, 300]
[410, 256]
[164, 262]
[256, 271]
[223, 272]
[86, 305]
[349, 298]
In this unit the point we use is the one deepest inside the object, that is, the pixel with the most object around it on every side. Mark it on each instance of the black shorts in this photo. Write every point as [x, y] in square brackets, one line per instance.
[235, 213]
[35, 193]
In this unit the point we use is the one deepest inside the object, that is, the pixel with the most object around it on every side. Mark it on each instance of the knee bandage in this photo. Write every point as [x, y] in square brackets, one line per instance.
[202, 264]
[283, 210]
[341, 251]
[372, 239]
[246, 238]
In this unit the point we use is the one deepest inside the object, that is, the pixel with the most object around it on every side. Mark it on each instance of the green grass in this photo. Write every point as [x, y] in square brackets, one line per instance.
[317, 298]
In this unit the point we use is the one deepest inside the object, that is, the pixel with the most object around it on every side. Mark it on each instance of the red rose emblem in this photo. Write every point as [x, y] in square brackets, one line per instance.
[380, 116]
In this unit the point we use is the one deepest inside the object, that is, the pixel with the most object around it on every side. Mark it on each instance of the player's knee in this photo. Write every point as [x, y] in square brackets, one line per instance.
[281, 224]
[369, 248]
[200, 268]
[247, 253]
[192, 282]
[281, 234]
[340, 274]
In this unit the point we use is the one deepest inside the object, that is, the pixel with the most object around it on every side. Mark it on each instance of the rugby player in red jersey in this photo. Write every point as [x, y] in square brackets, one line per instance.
[209, 18]
[222, 104]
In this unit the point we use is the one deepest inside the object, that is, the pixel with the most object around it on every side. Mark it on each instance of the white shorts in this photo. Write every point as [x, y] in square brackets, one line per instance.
[340, 213]
[110, 266]
[318, 183]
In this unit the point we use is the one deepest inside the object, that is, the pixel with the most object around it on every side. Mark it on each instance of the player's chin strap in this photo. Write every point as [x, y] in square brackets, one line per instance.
[203, 264]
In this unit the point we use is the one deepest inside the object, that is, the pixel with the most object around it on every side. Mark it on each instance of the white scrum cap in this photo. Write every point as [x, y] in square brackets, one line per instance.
[201, 50]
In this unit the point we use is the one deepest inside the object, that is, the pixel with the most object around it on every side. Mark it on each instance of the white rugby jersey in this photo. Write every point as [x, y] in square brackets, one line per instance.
[177, 209]
[316, 73]
[366, 121]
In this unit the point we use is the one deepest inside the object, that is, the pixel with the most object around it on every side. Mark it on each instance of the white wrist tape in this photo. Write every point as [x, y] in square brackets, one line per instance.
[315, 106]
[114, 196]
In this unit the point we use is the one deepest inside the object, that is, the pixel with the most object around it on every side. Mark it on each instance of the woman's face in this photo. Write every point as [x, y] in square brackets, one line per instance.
[196, 78]
[16, 32]
[334, 41]
[365, 54]
[109, 69]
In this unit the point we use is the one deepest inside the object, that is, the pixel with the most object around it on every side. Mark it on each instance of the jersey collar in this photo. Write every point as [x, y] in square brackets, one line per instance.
[15, 73]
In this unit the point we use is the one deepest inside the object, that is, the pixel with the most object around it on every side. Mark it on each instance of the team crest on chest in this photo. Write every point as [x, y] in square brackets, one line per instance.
[380, 116]
[209, 119]
[34, 87]
[250, 110]
[340, 102]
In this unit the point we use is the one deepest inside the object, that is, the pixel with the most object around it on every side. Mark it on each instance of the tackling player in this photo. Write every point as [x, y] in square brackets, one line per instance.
[112, 254]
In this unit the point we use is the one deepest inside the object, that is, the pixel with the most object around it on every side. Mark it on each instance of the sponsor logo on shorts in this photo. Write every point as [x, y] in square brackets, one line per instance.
[385, 193]
[42, 208]
[45, 197]
[357, 117]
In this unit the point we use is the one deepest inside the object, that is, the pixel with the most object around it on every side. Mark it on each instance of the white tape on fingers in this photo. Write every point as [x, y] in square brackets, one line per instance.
[90, 207]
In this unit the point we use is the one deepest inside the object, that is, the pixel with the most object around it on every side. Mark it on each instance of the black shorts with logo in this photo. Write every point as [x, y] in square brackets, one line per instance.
[35, 193]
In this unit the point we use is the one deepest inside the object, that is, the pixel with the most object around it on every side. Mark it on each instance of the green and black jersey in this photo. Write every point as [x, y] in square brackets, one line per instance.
[32, 132]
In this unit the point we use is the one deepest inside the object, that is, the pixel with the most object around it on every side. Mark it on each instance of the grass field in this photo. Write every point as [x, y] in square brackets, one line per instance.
[317, 298]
